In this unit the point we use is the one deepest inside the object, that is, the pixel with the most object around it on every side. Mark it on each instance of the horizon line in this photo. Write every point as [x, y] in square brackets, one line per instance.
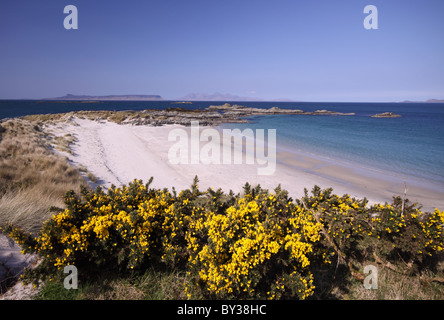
[432, 100]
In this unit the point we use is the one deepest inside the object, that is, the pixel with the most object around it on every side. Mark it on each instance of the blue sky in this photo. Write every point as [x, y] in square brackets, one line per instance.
[304, 50]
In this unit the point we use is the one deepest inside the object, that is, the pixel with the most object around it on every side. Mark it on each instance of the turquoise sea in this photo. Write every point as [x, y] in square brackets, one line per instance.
[412, 145]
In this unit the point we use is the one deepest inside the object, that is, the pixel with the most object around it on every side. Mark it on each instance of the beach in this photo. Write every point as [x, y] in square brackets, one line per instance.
[222, 151]
[108, 153]
[116, 154]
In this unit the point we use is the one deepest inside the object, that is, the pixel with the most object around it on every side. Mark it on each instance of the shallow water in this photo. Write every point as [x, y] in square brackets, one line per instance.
[410, 146]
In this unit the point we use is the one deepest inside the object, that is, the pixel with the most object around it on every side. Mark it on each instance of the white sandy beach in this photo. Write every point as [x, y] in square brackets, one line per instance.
[118, 153]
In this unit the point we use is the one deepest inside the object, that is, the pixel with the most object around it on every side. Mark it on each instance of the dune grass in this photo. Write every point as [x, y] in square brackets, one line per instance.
[32, 177]
[113, 116]
[150, 285]
[395, 283]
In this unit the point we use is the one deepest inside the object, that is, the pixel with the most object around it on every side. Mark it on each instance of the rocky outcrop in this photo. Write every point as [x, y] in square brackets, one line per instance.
[213, 115]
[231, 109]
[171, 116]
[386, 115]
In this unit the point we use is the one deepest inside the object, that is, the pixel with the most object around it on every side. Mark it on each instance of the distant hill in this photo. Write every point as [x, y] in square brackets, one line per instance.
[427, 101]
[216, 97]
[129, 97]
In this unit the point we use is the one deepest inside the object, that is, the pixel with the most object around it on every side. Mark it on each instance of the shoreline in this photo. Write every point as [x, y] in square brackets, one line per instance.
[118, 153]
[381, 182]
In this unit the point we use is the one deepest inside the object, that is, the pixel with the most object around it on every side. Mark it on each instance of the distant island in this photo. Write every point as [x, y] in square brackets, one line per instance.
[427, 101]
[222, 97]
[128, 97]
[225, 97]
[216, 97]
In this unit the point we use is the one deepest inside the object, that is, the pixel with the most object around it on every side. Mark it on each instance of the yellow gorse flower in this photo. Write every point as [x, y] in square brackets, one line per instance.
[254, 245]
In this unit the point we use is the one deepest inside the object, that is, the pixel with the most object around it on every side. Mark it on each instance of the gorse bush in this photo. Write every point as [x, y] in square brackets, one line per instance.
[259, 247]
[257, 244]
[97, 230]
[385, 231]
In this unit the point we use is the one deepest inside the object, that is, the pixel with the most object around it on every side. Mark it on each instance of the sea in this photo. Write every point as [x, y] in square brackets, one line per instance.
[409, 146]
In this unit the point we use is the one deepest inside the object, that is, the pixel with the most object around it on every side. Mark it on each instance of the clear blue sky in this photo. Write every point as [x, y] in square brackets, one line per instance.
[309, 50]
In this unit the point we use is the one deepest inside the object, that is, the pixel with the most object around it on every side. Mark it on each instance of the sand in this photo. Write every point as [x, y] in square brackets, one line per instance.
[117, 154]
[12, 263]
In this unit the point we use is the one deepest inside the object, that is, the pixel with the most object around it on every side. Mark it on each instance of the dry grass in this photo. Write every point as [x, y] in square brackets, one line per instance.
[113, 116]
[45, 117]
[63, 143]
[32, 177]
[28, 207]
[151, 285]
[395, 286]
[118, 289]
[395, 282]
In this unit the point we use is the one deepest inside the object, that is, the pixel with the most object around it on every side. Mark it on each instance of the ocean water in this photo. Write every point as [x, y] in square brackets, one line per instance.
[412, 145]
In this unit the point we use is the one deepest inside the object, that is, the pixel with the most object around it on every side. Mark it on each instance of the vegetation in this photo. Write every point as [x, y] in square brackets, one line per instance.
[113, 116]
[253, 245]
[32, 177]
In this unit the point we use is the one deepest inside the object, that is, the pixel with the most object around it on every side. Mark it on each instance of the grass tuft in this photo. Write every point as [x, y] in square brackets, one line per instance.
[32, 177]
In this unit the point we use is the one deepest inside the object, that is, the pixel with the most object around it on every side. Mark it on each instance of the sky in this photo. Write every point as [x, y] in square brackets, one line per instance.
[310, 50]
